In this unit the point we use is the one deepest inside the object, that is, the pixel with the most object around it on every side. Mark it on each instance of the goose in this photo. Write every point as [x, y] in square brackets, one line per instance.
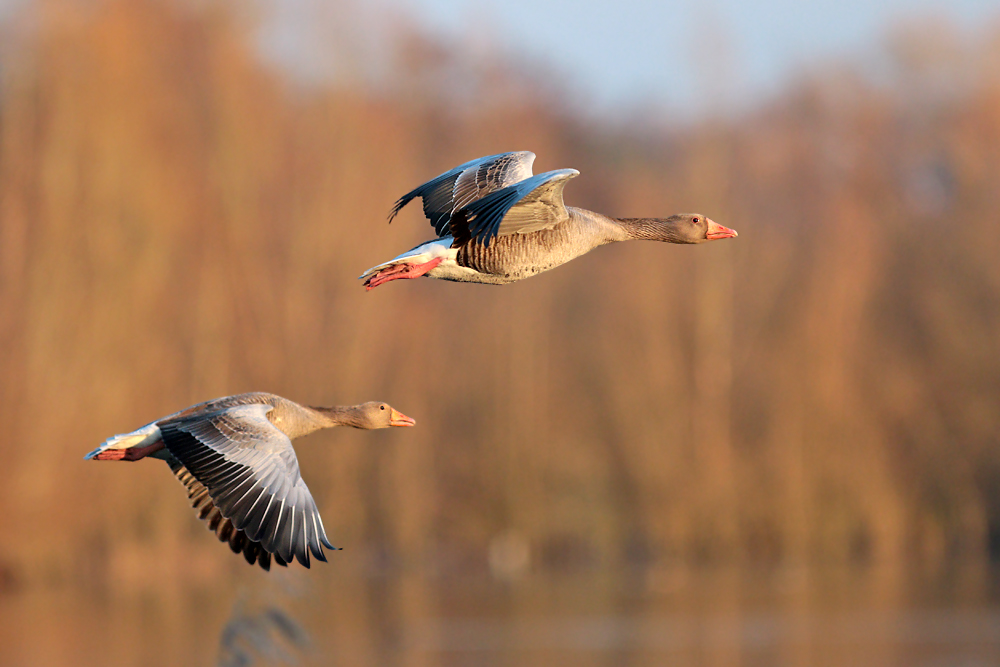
[235, 456]
[496, 223]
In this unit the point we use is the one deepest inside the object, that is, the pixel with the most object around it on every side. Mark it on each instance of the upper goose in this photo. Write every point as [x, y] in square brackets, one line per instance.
[496, 223]
[235, 457]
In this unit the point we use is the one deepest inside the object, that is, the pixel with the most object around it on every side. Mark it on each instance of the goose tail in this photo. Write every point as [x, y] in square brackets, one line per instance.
[147, 435]
[423, 253]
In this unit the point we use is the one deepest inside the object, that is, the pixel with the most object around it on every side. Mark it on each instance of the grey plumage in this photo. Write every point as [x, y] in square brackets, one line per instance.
[510, 258]
[450, 191]
[235, 457]
[496, 224]
[534, 204]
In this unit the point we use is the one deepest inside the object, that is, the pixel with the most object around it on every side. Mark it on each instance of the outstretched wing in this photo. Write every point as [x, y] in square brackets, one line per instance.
[466, 183]
[532, 205]
[221, 526]
[251, 474]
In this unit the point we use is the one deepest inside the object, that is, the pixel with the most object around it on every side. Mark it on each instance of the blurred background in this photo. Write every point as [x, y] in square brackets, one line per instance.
[778, 450]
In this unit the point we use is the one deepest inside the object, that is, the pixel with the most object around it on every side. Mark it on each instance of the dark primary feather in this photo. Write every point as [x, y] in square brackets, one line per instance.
[249, 478]
[452, 190]
[530, 205]
[223, 528]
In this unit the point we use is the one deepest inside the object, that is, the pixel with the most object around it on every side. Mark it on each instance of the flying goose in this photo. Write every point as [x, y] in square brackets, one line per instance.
[235, 457]
[496, 223]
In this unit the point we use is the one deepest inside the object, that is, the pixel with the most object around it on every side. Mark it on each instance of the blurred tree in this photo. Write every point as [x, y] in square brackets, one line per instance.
[180, 221]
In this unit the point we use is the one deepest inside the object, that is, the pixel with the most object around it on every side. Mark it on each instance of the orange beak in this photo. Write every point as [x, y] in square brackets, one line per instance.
[397, 418]
[717, 231]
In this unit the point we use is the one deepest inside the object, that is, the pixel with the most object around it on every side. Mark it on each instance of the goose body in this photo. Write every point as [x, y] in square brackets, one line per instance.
[497, 224]
[235, 456]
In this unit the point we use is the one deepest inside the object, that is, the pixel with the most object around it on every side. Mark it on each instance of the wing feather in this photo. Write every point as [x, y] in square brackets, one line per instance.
[529, 206]
[466, 183]
[243, 478]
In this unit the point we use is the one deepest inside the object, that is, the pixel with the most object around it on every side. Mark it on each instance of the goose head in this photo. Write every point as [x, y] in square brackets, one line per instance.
[368, 416]
[695, 228]
[375, 414]
[679, 228]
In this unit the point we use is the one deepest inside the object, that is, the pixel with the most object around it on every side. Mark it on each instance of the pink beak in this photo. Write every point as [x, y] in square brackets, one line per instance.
[397, 418]
[717, 231]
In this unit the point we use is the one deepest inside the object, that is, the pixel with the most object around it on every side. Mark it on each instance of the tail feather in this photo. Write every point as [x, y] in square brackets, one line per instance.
[422, 254]
[146, 435]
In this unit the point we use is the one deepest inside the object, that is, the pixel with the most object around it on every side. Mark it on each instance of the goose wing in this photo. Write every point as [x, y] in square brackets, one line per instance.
[222, 527]
[466, 183]
[531, 205]
[251, 473]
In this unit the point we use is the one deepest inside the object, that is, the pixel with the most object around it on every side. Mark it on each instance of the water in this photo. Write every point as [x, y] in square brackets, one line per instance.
[737, 617]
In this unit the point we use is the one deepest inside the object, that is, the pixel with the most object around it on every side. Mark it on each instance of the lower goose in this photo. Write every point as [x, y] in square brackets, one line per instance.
[235, 457]
[496, 224]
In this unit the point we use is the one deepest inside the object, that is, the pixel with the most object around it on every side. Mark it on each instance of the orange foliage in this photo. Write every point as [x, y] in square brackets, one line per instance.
[178, 222]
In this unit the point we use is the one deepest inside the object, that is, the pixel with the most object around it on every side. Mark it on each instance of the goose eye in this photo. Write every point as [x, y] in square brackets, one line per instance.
[381, 407]
[696, 220]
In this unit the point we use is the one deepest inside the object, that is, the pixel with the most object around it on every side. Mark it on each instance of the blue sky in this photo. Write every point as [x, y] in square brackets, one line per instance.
[624, 50]
[685, 54]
